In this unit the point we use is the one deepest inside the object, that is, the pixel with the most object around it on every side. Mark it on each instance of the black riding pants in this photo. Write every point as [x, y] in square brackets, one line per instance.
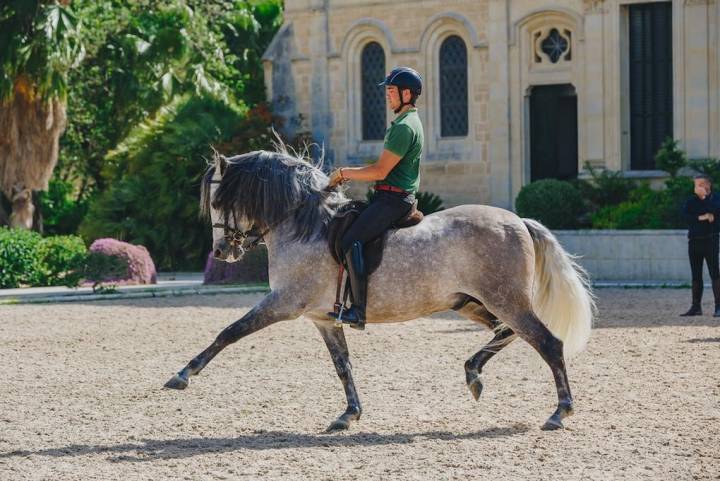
[384, 210]
[704, 248]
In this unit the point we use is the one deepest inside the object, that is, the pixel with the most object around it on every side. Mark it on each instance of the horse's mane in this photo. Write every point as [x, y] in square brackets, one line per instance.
[267, 188]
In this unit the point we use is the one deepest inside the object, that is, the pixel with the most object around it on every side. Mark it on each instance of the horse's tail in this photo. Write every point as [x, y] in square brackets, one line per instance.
[562, 296]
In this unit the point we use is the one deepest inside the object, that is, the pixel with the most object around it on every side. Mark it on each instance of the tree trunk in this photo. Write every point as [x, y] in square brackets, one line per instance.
[30, 129]
[22, 209]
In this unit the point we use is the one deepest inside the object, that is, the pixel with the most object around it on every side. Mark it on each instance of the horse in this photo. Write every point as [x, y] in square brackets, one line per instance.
[486, 263]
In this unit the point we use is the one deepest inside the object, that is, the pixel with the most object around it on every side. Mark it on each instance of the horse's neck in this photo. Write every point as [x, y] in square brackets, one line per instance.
[289, 258]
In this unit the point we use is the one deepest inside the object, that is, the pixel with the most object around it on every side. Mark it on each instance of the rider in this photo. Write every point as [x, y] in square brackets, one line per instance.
[396, 175]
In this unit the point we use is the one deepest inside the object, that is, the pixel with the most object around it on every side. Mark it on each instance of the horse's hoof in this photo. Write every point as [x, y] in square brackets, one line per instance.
[553, 424]
[475, 387]
[338, 425]
[176, 382]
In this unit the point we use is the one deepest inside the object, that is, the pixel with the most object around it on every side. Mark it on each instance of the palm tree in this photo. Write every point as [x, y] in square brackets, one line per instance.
[39, 44]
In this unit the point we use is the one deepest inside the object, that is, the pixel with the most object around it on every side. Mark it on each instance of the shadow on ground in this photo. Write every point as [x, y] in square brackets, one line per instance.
[153, 449]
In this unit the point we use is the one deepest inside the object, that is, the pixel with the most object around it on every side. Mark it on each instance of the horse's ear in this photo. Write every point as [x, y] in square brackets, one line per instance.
[221, 163]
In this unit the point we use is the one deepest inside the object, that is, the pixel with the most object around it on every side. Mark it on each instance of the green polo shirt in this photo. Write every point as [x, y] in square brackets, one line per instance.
[405, 138]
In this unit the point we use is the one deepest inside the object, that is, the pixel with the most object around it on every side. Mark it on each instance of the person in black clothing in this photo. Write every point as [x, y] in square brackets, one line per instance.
[702, 212]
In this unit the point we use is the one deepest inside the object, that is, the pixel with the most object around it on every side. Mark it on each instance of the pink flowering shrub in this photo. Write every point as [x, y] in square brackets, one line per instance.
[141, 269]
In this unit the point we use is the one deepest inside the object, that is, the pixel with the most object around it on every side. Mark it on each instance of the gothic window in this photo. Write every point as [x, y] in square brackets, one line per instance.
[373, 97]
[554, 43]
[453, 88]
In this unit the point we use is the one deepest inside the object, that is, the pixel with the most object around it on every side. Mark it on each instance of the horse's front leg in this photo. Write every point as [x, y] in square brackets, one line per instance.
[269, 311]
[335, 341]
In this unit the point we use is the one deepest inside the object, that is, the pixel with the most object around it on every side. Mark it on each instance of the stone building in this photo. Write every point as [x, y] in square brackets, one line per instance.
[515, 90]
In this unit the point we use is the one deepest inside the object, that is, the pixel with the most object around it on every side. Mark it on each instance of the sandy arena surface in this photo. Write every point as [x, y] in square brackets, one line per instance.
[81, 397]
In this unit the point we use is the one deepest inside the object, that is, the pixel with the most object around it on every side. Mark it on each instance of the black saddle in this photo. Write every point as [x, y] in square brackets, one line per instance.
[373, 250]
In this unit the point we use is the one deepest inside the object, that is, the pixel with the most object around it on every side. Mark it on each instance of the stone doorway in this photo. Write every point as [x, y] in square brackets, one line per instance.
[553, 132]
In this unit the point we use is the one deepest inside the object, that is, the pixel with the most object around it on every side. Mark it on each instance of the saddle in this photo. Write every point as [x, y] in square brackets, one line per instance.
[373, 250]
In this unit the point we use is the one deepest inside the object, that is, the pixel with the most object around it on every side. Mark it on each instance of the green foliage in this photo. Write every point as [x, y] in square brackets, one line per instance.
[604, 188]
[709, 167]
[62, 213]
[429, 202]
[39, 40]
[140, 55]
[155, 172]
[27, 259]
[670, 158]
[555, 203]
[61, 257]
[19, 260]
[647, 208]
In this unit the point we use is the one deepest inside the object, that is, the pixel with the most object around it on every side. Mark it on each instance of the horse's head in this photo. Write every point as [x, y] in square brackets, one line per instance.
[248, 195]
[233, 234]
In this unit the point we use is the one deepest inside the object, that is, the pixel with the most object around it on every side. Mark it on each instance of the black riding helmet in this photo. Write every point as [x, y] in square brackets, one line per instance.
[404, 78]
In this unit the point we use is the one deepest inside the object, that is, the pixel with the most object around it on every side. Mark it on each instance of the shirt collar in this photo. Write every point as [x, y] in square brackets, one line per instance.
[404, 114]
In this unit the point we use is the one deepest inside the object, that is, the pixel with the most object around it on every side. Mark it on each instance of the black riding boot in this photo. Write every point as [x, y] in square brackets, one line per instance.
[357, 275]
[716, 294]
[695, 309]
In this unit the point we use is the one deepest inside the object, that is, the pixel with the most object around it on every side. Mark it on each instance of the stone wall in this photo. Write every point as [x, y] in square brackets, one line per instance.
[632, 255]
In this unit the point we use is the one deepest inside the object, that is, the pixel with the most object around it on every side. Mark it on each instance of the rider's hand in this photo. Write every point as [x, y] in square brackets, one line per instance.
[336, 178]
[710, 217]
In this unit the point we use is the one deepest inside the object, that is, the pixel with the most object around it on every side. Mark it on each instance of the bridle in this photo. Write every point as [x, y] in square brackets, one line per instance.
[235, 237]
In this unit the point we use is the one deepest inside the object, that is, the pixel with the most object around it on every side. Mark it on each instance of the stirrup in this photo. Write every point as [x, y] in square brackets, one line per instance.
[341, 320]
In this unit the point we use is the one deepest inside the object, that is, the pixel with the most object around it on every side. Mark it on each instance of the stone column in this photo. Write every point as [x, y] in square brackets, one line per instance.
[593, 125]
[499, 105]
[714, 77]
[320, 113]
[696, 62]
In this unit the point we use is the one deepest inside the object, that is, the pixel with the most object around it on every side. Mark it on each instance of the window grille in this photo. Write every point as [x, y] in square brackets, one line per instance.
[373, 97]
[453, 88]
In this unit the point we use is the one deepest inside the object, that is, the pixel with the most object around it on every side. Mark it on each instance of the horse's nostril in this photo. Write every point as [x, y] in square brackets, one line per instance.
[217, 253]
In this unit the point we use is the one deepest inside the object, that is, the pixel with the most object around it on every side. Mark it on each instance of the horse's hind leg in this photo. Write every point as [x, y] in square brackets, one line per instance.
[475, 311]
[534, 332]
[474, 365]
[335, 341]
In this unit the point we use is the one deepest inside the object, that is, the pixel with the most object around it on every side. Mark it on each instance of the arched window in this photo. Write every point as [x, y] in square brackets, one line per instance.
[453, 88]
[372, 63]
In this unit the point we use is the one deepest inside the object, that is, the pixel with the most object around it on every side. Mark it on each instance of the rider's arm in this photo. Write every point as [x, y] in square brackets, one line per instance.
[694, 209]
[377, 171]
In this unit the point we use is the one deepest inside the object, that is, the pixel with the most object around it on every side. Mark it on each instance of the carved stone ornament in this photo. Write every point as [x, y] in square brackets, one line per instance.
[594, 6]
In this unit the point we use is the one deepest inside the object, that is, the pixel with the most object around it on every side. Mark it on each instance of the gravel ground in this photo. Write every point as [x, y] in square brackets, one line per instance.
[82, 399]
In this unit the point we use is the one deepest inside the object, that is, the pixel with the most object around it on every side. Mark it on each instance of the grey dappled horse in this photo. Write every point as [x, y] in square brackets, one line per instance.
[489, 265]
